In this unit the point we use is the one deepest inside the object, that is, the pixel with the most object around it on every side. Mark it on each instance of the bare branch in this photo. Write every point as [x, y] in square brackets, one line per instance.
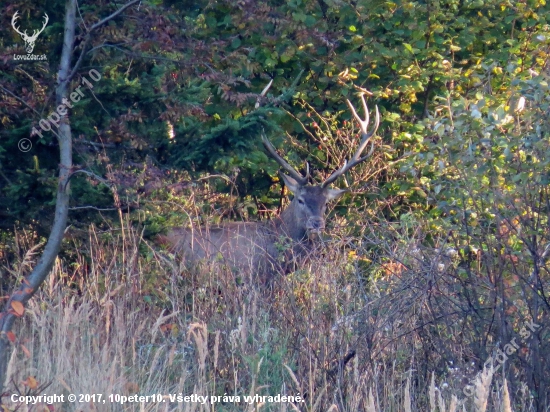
[98, 209]
[263, 93]
[92, 175]
[89, 37]
[19, 99]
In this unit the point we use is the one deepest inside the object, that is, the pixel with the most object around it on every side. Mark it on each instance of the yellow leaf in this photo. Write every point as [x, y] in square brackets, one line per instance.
[31, 382]
[18, 308]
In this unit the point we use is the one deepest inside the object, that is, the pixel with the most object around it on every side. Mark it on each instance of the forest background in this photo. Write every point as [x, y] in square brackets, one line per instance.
[435, 262]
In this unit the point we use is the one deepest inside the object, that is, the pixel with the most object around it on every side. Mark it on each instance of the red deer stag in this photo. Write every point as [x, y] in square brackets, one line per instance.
[256, 245]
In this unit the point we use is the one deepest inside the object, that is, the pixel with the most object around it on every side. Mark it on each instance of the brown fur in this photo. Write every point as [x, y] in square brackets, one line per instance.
[257, 246]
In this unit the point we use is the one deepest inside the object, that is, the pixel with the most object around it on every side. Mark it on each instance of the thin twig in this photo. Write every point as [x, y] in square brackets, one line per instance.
[19, 99]
[107, 209]
[89, 37]
[27, 105]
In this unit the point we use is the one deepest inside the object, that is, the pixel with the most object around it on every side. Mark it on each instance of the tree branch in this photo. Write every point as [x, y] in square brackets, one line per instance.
[89, 36]
[26, 104]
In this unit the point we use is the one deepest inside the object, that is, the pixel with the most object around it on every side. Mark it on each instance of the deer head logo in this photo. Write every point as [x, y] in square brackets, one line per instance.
[29, 40]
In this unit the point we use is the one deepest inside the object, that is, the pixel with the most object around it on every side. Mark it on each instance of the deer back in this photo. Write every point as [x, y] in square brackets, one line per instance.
[248, 246]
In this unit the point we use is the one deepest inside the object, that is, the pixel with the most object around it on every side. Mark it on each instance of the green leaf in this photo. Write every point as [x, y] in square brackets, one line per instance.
[285, 57]
[310, 21]
[235, 43]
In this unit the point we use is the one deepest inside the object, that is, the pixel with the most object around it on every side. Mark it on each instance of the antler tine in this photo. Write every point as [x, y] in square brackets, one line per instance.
[290, 170]
[365, 134]
[36, 32]
[365, 138]
[335, 175]
[46, 20]
[13, 21]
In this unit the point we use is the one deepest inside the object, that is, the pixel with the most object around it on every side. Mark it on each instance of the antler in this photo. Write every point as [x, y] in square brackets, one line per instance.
[35, 32]
[13, 20]
[365, 137]
[302, 180]
[46, 20]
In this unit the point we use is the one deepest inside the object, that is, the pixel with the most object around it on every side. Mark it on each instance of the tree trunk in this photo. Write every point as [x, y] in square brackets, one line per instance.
[33, 281]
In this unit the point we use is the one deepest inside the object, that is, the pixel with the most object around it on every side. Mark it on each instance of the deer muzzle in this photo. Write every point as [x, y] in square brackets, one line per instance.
[314, 227]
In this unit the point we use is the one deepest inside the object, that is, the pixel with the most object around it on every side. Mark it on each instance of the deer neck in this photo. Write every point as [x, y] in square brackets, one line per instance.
[287, 224]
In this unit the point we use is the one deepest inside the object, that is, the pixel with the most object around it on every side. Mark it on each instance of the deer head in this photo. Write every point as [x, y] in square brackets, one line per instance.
[305, 216]
[29, 40]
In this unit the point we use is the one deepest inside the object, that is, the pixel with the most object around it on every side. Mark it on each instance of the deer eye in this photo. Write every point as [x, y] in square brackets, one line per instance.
[300, 201]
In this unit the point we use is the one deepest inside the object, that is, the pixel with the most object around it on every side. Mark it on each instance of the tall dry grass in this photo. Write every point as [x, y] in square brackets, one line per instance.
[118, 316]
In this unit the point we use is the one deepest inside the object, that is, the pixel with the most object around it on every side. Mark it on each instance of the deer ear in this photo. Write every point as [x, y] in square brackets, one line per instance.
[333, 194]
[291, 183]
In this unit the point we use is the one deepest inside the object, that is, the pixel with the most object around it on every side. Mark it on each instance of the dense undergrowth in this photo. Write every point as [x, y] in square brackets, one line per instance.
[375, 319]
